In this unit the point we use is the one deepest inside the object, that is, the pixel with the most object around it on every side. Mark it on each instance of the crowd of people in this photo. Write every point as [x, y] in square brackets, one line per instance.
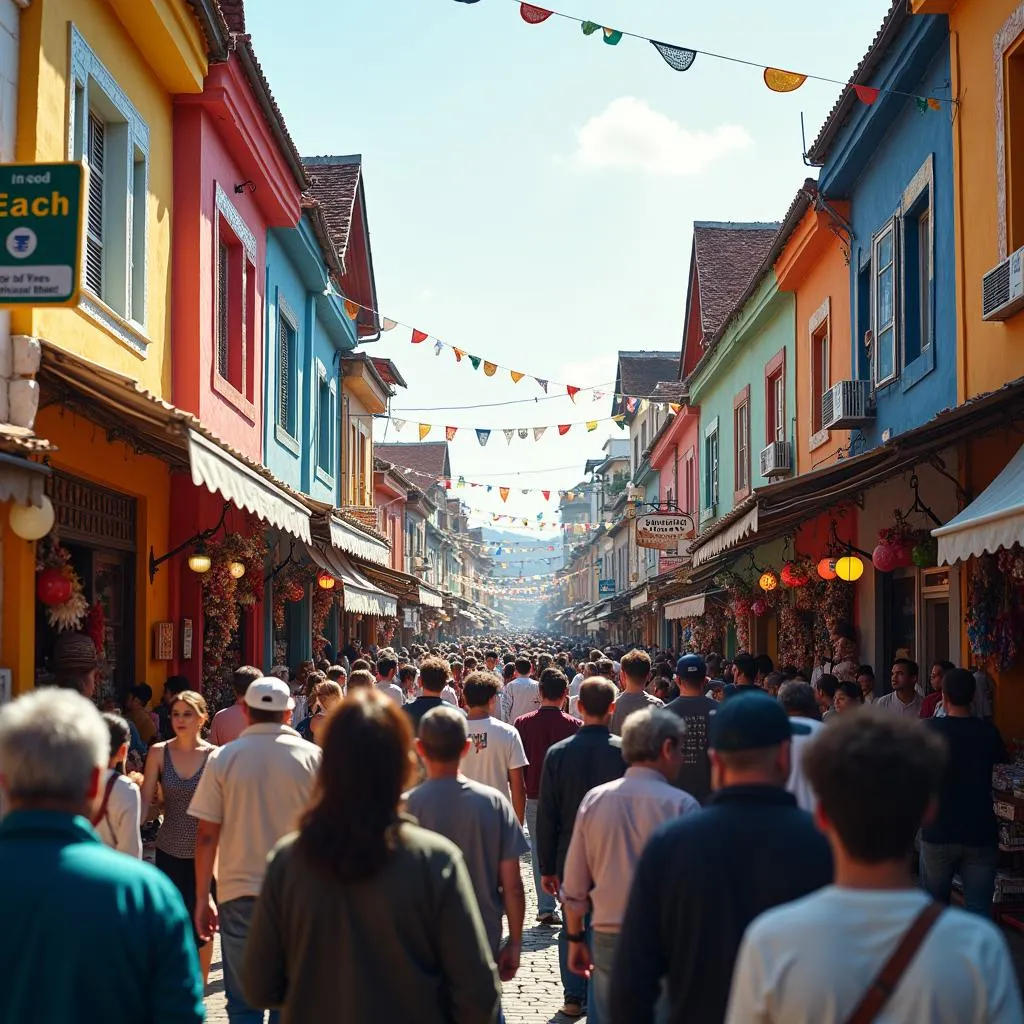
[715, 840]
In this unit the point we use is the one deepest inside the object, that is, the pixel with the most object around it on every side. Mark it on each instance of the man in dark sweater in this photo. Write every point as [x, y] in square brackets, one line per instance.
[572, 768]
[433, 679]
[702, 879]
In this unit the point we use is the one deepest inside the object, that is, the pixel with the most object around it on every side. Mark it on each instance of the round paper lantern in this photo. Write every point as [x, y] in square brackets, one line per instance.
[31, 522]
[53, 587]
[237, 570]
[883, 558]
[760, 606]
[849, 568]
[827, 568]
[325, 581]
[199, 561]
[793, 576]
[768, 581]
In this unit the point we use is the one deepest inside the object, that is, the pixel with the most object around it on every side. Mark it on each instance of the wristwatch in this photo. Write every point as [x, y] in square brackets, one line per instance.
[578, 937]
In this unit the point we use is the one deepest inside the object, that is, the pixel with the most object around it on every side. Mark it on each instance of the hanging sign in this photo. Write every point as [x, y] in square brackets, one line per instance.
[664, 530]
[606, 588]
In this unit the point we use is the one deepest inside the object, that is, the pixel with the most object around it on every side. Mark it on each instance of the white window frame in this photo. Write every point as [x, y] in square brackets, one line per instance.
[891, 227]
[120, 306]
[711, 491]
[822, 315]
[923, 182]
[325, 469]
[285, 435]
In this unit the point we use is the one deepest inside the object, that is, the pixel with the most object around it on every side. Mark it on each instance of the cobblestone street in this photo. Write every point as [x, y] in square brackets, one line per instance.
[534, 997]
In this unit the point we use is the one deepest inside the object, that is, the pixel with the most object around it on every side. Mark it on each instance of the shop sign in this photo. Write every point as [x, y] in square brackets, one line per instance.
[666, 531]
[606, 588]
[669, 562]
[163, 641]
[40, 234]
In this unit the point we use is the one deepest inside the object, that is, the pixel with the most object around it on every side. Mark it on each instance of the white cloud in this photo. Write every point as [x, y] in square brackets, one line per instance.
[629, 135]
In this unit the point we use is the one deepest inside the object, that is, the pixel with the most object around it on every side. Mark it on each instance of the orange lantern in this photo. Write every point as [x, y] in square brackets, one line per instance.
[827, 568]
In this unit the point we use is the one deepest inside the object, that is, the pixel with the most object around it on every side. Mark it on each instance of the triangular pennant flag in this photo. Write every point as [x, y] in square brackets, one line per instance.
[526, 490]
[589, 27]
[543, 384]
[564, 428]
[675, 407]
[438, 345]
[631, 404]
[546, 495]
[418, 336]
[449, 433]
[591, 425]
[424, 430]
[922, 105]
[398, 424]
[526, 522]
[621, 420]
[509, 434]
[504, 492]
[783, 81]
[447, 485]
[462, 481]
[644, 405]
[866, 94]
[551, 547]
[351, 309]
[516, 376]
[676, 57]
[458, 353]
[571, 391]
[524, 433]
[475, 360]
[490, 369]
[598, 396]
[489, 486]
[483, 436]
[540, 519]
[388, 325]
[538, 433]
[533, 15]
[934, 104]
[611, 36]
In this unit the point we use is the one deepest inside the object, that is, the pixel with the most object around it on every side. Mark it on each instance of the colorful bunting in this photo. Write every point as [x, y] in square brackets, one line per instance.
[449, 433]
[533, 15]
[934, 104]
[503, 491]
[866, 94]
[490, 369]
[438, 345]
[419, 336]
[644, 405]
[424, 430]
[783, 81]
[483, 436]
[351, 309]
[571, 391]
[922, 105]
[458, 354]
[612, 36]
[388, 325]
[631, 404]
[591, 426]
[543, 384]
[398, 424]
[589, 27]
[509, 434]
[564, 428]
[538, 433]
[675, 407]
[475, 360]
[676, 57]
[547, 495]
[524, 433]
[462, 481]
[516, 376]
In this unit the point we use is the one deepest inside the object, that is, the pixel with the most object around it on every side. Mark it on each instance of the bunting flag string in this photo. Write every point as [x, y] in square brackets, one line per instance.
[681, 58]
[460, 483]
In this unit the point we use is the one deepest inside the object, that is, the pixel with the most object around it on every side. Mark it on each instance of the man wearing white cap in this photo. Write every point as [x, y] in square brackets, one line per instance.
[250, 795]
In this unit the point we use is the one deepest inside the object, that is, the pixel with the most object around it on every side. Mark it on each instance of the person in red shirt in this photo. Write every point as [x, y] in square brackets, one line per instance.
[540, 730]
[934, 699]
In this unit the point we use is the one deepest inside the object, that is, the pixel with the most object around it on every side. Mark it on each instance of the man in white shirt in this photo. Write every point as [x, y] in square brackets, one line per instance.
[904, 699]
[496, 757]
[387, 669]
[522, 694]
[877, 777]
[612, 826]
[249, 796]
[801, 705]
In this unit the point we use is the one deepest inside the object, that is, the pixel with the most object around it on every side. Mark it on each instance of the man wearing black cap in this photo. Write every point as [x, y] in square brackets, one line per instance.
[750, 849]
[695, 710]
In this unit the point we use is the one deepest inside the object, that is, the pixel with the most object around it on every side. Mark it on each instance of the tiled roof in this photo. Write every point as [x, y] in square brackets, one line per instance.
[429, 458]
[334, 183]
[726, 255]
[234, 14]
[670, 391]
[389, 373]
[890, 28]
[640, 372]
[210, 15]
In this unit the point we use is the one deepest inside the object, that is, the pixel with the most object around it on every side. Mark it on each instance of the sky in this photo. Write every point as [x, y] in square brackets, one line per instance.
[531, 191]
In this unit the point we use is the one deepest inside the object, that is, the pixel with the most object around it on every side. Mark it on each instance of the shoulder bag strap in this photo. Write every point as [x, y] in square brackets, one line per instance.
[101, 812]
[888, 978]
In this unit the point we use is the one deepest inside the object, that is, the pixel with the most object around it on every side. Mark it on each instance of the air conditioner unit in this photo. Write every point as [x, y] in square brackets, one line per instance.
[1002, 288]
[777, 459]
[707, 514]
[847, 404]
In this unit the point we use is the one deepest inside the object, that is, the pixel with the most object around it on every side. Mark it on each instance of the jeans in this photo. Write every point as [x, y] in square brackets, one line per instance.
[235, 918]
[977, 867]
[602, 955]
[545, 901]
[573, 985]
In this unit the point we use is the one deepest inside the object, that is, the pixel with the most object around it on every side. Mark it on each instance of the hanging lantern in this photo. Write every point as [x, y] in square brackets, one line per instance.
[827, 568]
[237, 570]
[768, 581]
[325, 581]
[199, 561]
[902, 553]
[759, 607]
[31, 522]
[793, 576]
[53, 587]
[883, 558]
[849, 568]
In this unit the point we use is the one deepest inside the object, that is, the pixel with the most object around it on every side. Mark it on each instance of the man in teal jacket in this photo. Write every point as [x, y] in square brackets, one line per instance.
[89, 934]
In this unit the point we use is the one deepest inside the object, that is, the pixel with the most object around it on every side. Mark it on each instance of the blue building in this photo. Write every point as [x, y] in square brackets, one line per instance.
[889, 152]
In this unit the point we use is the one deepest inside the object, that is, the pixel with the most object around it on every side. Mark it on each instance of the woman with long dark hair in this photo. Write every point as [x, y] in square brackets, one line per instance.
[363, 915]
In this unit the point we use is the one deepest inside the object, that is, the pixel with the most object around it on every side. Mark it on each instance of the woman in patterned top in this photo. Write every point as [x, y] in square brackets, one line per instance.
[177, 766]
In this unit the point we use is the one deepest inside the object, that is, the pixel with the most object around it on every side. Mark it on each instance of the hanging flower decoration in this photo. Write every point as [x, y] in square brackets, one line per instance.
[323, 602]
[96, 627]
[67, 608]
[795, 574]
[796, 637]
[290, 586]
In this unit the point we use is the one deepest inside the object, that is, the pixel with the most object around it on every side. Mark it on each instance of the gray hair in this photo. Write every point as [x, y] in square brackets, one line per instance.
[443, 732]
[644, 733]
[51, 740]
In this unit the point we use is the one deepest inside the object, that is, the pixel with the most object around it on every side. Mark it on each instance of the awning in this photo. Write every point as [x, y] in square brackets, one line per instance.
[217, 471]
[430, 599]
[685, 607]
[360, 595]
[353, 541]
[994, 520]
[22, 481]
[743, 527]
[639, 601]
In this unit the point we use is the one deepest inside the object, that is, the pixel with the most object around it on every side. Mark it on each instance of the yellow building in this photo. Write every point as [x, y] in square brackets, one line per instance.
[97, 85]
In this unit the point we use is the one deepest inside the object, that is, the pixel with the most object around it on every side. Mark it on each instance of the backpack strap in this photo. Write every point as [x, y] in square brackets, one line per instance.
[888, 978]
[101, 811]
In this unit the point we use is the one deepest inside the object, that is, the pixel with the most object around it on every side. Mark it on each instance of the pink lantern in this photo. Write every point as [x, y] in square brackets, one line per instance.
[760, 606]
[883, 558]
[53, 587]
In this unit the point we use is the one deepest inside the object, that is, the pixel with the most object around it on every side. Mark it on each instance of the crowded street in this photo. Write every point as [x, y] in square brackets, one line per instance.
[510, 518]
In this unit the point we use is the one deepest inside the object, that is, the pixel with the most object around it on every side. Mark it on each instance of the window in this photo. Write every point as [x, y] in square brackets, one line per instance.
[918, 271]
[690, 482]
[741, 442]
[711, 467]
[643, 437]
[821, 371]
[884, 284]
[325, 425]
[286, 372]
[775, 398]
[1010, 110]
[109, 136]
[636, 453]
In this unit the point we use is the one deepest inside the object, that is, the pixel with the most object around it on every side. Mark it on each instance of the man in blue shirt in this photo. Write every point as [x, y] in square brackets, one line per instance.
[89, 934]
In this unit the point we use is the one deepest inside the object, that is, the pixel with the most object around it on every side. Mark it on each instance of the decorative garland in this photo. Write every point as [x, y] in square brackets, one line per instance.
[995, 619]
[796, 637]
[290, 586]
[323, 602]
[52, 556]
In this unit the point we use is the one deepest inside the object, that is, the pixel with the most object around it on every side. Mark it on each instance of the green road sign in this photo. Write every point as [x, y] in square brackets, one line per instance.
[40, 234]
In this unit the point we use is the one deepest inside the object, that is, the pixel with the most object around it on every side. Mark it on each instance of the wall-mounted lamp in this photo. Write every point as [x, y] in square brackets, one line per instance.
[199, 561]
[237, 570]
[243, 185]
[325, 581]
